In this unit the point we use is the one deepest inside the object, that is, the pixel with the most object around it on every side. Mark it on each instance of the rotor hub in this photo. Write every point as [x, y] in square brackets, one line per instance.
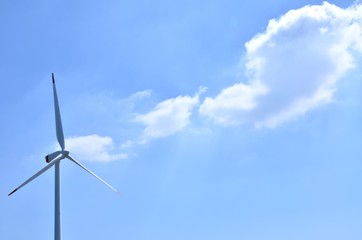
[65, 153]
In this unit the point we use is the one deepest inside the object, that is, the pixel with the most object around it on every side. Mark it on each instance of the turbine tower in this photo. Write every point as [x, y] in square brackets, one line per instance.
[54, 159]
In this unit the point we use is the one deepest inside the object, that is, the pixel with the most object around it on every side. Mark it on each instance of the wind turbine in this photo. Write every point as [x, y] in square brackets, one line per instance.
[54, 159]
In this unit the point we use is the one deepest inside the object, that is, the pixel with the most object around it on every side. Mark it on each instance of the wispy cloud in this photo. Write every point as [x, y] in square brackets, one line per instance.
[141, 94]
[229, 107]
[292, 67]
[94, 148]
[168, 117]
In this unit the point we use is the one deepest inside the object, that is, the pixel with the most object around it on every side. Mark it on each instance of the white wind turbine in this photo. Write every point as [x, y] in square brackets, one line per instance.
[54, 159]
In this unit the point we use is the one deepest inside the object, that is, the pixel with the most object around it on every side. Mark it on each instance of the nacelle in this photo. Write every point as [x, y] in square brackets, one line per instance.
[52, 156]
[47, 159]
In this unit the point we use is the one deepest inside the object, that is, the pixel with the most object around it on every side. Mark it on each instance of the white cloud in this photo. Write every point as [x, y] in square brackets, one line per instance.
[93, 148]
[231, 102]
[168, 116]
[141, 94]
[293, 67]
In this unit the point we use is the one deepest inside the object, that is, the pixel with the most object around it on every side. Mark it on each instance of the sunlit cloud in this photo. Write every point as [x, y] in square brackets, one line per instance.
[232, 103]
[141, 94]
[168, 116]
[292, 67]
[94, 148]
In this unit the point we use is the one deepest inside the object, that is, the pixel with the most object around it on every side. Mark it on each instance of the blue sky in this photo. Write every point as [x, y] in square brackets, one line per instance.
[214, 119]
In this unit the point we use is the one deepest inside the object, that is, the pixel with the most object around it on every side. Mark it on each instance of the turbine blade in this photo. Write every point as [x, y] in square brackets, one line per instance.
[49, 165]
[58, 120]
[100, 179]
